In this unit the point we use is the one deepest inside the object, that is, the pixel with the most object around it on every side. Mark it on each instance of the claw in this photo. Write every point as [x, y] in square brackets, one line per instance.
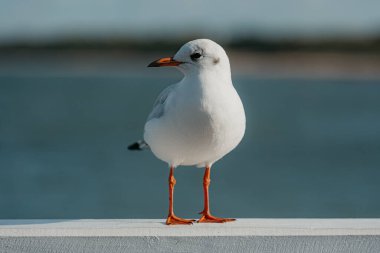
[208, 218]
[174, 220]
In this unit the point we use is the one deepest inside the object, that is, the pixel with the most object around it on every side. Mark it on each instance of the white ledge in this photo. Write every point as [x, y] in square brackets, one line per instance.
[241, 227]
[244, 235]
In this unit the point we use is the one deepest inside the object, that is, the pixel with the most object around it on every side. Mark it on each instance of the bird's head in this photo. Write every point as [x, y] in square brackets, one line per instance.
[197, 56]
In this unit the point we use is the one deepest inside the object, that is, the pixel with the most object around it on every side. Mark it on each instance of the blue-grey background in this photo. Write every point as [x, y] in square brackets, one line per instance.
[311, 150]
[312, 145]
[52, 19]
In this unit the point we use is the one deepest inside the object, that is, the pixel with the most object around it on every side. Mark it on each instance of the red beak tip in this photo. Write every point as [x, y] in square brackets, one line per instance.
[168, 61]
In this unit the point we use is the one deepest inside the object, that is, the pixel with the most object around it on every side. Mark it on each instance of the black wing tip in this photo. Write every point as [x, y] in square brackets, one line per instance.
[134, 146]
[139, 145]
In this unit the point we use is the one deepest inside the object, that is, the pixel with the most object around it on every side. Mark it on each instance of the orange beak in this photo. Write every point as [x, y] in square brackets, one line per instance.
[167, 61]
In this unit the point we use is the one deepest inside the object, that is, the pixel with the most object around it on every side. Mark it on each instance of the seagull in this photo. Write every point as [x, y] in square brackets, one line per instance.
[196, 121]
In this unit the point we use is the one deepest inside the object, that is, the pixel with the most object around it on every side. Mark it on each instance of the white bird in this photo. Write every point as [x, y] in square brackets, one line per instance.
[198, 120]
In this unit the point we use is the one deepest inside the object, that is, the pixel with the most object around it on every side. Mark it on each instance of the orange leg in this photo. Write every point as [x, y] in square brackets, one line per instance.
[206, 216]
[172, 219]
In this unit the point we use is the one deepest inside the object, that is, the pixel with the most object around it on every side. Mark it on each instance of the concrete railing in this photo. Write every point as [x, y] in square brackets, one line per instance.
[244, 235]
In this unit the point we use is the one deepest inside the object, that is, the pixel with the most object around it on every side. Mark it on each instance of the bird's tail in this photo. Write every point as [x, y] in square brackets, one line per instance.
[138, 145]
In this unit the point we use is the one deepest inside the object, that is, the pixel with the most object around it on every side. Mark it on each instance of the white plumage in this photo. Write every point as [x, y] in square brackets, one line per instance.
[196, 121]
[200, 119]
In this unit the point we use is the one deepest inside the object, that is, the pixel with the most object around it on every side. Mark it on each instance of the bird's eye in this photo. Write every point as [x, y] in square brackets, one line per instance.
[195, 56]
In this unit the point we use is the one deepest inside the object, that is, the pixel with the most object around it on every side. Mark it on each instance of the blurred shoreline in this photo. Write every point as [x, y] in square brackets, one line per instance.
[351, 44]
[279, 64]
[294, 58]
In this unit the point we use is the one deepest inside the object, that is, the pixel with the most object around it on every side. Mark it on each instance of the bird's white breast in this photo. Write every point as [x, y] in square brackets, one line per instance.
[201, 124]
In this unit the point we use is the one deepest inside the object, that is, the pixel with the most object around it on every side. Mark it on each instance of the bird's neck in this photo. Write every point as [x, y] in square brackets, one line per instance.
[209, 79]
[207, 86]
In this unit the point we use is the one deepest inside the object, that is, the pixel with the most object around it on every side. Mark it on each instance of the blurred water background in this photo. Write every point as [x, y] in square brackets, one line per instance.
[75, 91]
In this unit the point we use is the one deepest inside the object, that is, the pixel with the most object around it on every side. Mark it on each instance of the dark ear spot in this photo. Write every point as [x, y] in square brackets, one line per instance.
[216, 60]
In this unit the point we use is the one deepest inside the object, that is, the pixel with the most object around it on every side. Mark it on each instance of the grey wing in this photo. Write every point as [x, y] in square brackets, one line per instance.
[159, 104]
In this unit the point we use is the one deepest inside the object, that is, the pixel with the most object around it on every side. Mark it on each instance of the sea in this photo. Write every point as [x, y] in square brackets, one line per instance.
[311, 150]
